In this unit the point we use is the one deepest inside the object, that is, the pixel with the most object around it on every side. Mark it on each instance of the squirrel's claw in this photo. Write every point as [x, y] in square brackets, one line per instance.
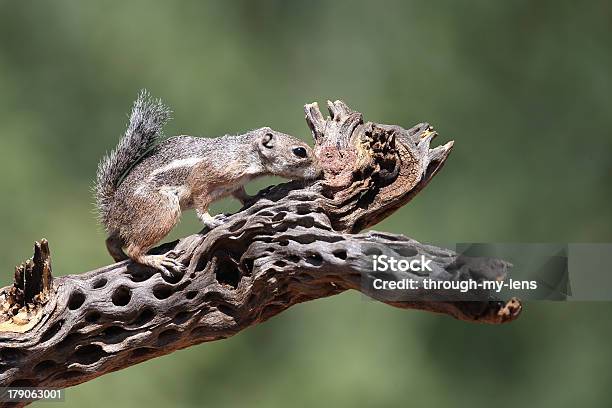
[222, 218]
[174, 254]
[171, 268]
[216, 221]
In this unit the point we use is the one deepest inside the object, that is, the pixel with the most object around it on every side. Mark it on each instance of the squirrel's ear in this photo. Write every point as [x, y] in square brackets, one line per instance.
[268, 140]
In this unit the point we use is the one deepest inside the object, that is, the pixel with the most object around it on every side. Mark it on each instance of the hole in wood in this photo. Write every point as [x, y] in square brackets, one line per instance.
[167, 336]
[181, 317]
[340, 254]
[227, 310]
[52, 331]
[22, 383]
[162, 292]
[302, 209]
[92, 317]
[45, 365]
[182, 286]
[247, 266]
[88, 354]
[140, 274]
[328, 193]
[237, 225]
[173, 278]
[191, 294]
[388, 237]
[99, 283]
[227, 274]
[114, 334]
[69, 340]
[407, 252]
[145, 316]
[371, 251]
[121, 296]
[210, 297]
[306, 222]
[279, 217]
[306, 239]
[226, 268]
[11, 354]
[314, 259]
[76, 300]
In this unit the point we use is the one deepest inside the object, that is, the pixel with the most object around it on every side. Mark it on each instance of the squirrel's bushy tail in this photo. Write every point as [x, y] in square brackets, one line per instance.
[144, 129]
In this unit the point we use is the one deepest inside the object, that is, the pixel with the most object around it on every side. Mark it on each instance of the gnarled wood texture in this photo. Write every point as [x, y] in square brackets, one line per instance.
[293, 243]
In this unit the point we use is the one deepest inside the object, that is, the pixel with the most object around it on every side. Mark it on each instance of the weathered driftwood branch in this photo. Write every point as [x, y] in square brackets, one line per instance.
[291, 244]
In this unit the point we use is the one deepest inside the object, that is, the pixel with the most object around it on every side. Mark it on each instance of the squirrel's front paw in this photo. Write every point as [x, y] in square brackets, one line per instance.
[216, 221]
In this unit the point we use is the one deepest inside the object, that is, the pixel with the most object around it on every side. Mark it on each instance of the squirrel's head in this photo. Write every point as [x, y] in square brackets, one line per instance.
[285, 156]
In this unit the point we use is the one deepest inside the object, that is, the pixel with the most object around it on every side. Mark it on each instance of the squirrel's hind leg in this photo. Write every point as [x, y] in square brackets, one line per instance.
[153, 226]
[114, 245]
[165, 263]
[169, 267]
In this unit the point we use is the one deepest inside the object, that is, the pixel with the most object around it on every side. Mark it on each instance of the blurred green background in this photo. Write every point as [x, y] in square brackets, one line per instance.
[523, 87]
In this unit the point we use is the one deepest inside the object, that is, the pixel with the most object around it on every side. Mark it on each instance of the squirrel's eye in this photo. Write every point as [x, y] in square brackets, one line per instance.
[300, 152]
